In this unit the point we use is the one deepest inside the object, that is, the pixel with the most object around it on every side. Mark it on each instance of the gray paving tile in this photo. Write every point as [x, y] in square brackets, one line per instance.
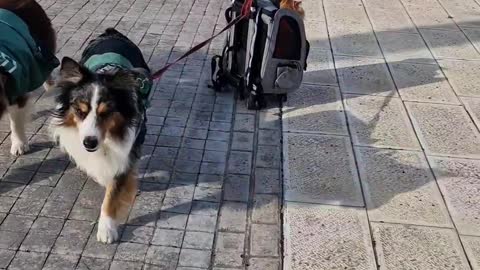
[17, 223]
[73, 237]
[389, 15]
[269, 137]
[472, 106]
[123, 265]
[265, 209]
[268, 156]
[55, 262]
[264, 264]
[400, 188]
[462, 76]
[316, 30]
[326, 235]
[349, 24]
[429, 15]
[202, 223]
[165, 257]
[210, 180]
[131, 252]
[449, 44]
[237, 188]
[471, 245]
[195, 258]
[242, 141]
[207, 194]
[404, 47]
[89, 263]
[240, 162]
[6, 257]
[307, 173]
[172, 220]
[28, 260]
[137, 234]
[269, 119]
[316, 109]
[320, 67]
[267, 240]
[166, 237]
[445, 130]
[267, 180]
[422, 83]
[415, 243]
[361, 75]
[233, 217]
[380, 121]
[457, 181]
[198, 240]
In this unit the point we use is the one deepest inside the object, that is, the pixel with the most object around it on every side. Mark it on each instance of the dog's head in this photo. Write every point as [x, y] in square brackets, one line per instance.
[99, 106]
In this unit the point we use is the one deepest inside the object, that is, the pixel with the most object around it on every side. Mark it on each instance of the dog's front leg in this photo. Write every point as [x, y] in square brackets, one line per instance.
[119, 196]
[19, 114]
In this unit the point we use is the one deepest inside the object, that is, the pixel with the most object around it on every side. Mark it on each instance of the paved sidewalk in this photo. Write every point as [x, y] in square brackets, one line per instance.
[382, 143]
[373, 164]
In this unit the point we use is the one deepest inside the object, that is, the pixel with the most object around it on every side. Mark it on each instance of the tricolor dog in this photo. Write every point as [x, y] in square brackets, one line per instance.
[99, 120]
[27, 48]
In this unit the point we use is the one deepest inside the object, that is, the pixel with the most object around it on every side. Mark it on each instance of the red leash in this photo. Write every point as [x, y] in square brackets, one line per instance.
[244, 13]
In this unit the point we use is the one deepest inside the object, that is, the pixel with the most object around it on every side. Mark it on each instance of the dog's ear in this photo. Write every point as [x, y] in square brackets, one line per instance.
[71, 71]
[125, 79]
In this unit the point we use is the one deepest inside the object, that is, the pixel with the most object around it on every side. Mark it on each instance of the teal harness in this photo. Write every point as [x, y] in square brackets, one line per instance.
[21, 57]
[100, 63]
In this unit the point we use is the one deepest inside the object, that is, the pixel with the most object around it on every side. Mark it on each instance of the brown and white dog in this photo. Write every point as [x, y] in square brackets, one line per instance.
[99, 120]
[39, 31]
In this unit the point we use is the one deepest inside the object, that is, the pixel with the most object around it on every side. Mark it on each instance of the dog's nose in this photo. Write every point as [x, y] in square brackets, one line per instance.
[90, 143]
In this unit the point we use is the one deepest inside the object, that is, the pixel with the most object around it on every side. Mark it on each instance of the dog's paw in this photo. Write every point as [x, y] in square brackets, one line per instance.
[19, 148]
[107, 230]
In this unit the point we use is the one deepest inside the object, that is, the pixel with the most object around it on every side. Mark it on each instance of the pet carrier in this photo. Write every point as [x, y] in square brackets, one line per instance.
[263, 54]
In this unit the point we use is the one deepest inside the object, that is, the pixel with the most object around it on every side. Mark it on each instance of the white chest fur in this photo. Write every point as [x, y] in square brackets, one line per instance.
[111, 159]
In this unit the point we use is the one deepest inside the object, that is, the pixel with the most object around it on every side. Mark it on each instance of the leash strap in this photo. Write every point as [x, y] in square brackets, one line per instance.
[245, 12]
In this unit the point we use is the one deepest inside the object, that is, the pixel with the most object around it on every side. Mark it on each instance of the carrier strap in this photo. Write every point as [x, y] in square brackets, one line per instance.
[247, 5]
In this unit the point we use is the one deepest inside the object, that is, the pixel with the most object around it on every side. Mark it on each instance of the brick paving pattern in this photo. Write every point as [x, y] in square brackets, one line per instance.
[373, 164]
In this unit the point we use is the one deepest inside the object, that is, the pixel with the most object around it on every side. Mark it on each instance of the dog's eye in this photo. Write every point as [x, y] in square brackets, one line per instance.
[79, 112]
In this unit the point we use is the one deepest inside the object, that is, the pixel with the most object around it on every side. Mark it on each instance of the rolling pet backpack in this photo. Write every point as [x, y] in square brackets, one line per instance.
[263, 54]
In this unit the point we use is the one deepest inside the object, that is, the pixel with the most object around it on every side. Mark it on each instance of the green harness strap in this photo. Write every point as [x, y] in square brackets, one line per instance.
[99, 62]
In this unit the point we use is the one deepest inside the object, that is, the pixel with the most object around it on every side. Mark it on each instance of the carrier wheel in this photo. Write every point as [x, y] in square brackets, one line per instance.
[252, 102]
[256, 102]
[217, 74]
[217, 83]
[241, 90]
[282, 97]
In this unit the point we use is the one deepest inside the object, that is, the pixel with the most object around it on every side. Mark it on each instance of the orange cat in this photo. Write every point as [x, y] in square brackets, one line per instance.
[295, 5]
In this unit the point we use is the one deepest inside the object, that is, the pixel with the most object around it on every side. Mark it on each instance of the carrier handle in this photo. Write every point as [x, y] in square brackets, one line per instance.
[228, 14]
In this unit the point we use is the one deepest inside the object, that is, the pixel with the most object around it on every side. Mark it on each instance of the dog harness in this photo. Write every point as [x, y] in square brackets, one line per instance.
[21, 57]
[101, 63]
[99, 58]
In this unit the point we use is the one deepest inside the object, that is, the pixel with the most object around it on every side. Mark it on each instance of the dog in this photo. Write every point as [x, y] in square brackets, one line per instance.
[99, 120]
[27, 48]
